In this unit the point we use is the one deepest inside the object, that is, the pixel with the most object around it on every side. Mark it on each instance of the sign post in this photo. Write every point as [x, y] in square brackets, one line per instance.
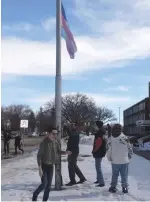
[23, 124]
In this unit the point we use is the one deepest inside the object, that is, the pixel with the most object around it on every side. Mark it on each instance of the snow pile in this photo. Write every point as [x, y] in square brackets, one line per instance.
[146, 147]
[87, 140]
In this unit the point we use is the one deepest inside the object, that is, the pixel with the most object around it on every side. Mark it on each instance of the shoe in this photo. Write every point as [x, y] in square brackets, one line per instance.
[81, 181]
[124, 190]
[112, 189]
[71, 183]
[96, 182]
[100, 185]
[34, 198]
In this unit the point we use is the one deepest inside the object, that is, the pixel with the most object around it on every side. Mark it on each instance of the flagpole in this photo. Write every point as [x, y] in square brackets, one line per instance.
[58, 90]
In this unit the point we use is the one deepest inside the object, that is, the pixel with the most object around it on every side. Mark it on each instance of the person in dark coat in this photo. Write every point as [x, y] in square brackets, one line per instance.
[7, 137]
[109, 130]
[73, 152]
[99, 151]
[18, 144]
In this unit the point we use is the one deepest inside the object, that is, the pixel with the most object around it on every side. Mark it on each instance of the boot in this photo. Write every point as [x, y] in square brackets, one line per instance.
[124, 190]
[81, 181]
[112, 189]
[100, 185]
[71, 183]
[34, 198]
[96, 182]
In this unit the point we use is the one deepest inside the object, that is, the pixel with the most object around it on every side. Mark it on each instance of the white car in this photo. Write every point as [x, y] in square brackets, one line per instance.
[34, 134]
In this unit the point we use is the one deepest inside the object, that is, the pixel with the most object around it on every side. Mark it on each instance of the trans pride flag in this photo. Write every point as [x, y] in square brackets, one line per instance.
[67, 35]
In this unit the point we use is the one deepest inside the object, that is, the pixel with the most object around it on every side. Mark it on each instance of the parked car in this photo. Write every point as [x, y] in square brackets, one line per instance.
[34, 134]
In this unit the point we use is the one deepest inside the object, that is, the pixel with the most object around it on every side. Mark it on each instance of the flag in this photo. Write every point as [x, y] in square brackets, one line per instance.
[67, 35]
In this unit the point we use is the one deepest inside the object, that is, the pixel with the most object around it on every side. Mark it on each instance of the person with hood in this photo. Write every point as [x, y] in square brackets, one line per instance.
[99, 151]
[119, 153]
[73, 152]
[47, 157]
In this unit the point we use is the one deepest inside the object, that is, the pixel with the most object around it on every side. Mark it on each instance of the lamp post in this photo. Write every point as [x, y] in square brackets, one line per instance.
[119, 114]
[40, 121]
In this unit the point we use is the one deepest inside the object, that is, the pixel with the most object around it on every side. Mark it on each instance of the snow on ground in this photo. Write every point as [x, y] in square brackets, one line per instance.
[86, 140]
[145, 147]
[20, 178]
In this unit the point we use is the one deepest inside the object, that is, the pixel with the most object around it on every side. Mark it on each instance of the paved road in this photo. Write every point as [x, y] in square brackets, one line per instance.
[144, 154]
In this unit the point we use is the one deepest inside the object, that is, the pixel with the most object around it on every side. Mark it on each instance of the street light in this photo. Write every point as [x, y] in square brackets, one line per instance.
[119, 114]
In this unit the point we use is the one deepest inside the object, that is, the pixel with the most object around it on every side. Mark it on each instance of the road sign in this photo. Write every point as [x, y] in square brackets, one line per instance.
[24, 124]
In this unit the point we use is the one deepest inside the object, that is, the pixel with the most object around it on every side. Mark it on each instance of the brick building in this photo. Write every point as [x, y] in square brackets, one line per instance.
[138, 112]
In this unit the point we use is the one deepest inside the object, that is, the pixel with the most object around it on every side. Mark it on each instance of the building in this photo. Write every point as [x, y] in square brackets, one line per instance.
[138, 115]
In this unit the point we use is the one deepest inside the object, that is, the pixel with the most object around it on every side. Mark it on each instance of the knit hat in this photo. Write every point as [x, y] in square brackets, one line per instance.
[99, 124]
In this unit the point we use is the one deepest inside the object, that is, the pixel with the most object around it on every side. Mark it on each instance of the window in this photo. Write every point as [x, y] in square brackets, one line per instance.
[142, 106]
[135, 109]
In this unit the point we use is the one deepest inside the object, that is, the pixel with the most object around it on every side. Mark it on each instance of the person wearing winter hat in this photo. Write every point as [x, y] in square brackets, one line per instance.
[99, 151]
[119, 152]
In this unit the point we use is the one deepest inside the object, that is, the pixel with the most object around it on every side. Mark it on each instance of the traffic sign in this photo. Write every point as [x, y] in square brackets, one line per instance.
[24, 124]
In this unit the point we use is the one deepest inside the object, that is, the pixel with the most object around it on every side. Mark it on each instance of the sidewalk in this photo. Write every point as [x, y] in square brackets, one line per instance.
[27, 151]
[30, 144]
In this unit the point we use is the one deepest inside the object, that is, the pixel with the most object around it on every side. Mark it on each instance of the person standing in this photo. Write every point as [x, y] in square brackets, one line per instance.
[46, 158]
[73, 152]
[99, 151]
[7, 137]
[119, 153]
[109, 130]
[18, 144]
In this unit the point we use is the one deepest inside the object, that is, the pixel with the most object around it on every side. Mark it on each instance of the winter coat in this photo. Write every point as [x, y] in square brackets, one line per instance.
[18, 140]
[119, 150]
[99, 146]
[48, 152]
[7, 137]
[73, 142]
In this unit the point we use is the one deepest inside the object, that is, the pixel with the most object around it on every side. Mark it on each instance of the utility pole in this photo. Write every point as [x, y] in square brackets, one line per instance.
[119, 115]
[41, 121]
[58, 90]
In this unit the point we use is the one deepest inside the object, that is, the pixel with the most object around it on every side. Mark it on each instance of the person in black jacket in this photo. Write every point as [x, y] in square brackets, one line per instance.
[18, 144]
[73, 152]
[7, 137]
[99, 151]
[109, 130]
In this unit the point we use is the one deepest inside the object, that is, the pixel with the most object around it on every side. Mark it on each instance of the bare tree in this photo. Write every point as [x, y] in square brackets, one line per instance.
[78, 107]
[15, 113]
[104, 114]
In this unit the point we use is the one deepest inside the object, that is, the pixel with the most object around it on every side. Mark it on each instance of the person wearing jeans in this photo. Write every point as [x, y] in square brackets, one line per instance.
[119, 152]
[46, 180]
[99, 151]
[47, 157]
[100, 178]
[121, 169]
